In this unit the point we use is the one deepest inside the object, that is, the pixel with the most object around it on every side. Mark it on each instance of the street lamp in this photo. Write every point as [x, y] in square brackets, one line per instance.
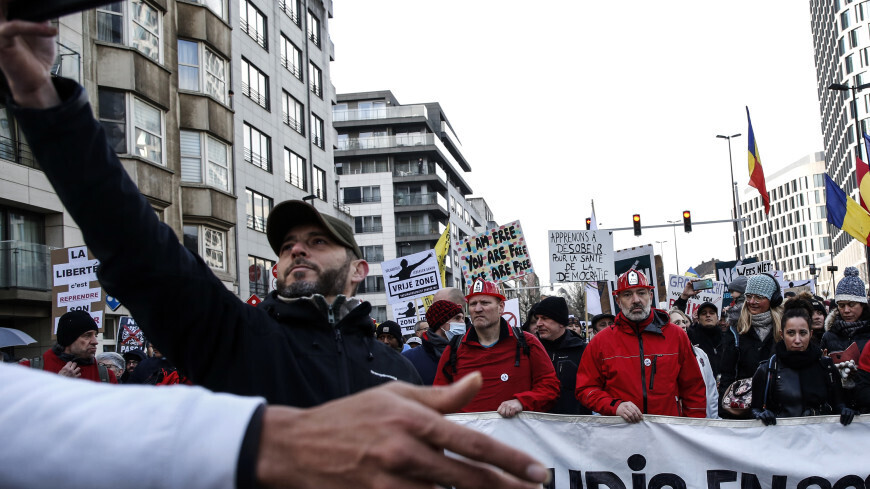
[662, 246]
[843, 88]
[738, 228]
[676, 255]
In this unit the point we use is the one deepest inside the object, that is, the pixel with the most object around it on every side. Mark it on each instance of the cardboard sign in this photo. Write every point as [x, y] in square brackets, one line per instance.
[511, 313]
[408, 314]
[725, 269]
[75, 286]
[581, 256]
[499, 254]
[411, 276]
[644, 256]
[129, 336]
[676, 284]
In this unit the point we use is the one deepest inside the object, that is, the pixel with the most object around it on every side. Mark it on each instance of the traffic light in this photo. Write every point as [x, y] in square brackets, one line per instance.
[588, 223]
[636, 219]
[687, 221]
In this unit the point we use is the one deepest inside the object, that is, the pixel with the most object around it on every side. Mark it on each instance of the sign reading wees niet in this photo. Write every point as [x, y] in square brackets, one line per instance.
[74, 285]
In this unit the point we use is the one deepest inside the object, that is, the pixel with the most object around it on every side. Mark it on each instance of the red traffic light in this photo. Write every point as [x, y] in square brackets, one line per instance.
[588, 223]
[636, 219]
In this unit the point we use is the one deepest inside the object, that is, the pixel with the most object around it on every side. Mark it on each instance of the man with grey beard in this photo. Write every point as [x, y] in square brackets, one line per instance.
[644, 364]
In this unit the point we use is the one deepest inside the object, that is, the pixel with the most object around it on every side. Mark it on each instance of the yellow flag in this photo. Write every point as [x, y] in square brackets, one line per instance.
[441, 249]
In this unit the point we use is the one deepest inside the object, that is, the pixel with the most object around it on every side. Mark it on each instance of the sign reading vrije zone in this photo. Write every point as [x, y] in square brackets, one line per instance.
[411, 276]
[74, 285]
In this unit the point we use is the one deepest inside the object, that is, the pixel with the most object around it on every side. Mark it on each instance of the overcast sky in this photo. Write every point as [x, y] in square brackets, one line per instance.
[562, 102]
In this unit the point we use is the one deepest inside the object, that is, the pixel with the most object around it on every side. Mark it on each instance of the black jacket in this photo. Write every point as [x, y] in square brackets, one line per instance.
[565, 354]
[300, 353]
[836, 338]
[712, 341]
[807, 388]
[742, 360]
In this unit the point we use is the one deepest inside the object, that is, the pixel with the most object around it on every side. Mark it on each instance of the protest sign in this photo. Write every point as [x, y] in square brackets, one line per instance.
[644, 256]
[498, 254]
[411, 276]
[511, 312]
[129, 335]
[680, 453]
[74, 285]
[408, 314]
[676, 284]
[581, 256]
[725, 269]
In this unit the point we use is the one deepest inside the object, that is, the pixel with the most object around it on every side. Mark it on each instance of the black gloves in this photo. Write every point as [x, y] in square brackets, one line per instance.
[847, 415]
[767, 417]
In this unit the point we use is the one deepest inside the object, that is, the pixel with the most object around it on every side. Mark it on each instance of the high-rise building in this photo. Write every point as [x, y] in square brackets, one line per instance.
[841, 39]
[401, 174]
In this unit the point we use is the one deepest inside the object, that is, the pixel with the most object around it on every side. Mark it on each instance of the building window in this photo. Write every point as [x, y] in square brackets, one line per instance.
[319, 183]
[359, 195]
[255, 84]
[291, 8]
[257, 209]
[259, 274]
[365, 166]
[141, 30]
[317, 131]
[12, 144]
[295, 170]
[373, 254]
[314, 29]
[379, 313]
[209, 77]
[146, 138]
[258, 151]
[315, 79]
[253, 22]
[292, 112]
[216, 172]
[291, 58]
[209, 243]
[368, 224]
[371, 284]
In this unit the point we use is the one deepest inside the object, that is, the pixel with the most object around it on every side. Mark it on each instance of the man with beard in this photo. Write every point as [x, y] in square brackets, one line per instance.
[644, 364]
[73, 354]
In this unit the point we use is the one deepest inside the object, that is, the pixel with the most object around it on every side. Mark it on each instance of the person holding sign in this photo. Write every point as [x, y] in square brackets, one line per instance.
[517, 373]
[643, 364]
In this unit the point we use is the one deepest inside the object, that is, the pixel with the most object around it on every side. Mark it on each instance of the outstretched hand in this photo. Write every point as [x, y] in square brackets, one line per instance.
[390, 436]
[27, 52]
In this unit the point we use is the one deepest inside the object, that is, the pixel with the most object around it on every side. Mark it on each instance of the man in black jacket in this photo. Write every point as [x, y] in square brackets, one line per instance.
[565, 349]
[705, 333]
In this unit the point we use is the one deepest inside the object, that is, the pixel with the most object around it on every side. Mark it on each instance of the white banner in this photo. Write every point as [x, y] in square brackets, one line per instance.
[604, 452]
[412, 276]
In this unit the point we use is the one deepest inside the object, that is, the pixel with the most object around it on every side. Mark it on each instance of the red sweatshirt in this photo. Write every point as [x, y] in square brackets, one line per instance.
[533, 383]
[52, 363]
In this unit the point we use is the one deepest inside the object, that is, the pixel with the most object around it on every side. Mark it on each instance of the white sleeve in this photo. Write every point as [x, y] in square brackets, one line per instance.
[70, 433]
[709, 381]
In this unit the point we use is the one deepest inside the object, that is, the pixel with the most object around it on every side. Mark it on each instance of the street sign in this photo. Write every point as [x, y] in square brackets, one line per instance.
[254, 300]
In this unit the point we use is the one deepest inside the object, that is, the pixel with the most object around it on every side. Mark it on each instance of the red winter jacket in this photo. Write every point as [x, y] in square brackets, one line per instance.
[655, 369]
[533, 383]
[52, 363]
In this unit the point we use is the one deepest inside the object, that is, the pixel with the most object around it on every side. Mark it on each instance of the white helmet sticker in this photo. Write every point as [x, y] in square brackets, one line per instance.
[478, 286]
[632, 278]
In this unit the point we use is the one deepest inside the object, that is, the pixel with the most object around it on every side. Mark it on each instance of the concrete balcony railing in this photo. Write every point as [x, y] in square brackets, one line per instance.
[342, 115]
[25, 265]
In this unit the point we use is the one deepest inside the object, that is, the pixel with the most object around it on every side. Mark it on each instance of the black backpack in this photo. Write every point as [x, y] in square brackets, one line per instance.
[449, 369]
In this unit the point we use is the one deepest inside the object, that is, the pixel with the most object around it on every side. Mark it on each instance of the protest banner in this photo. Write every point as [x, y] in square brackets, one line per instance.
[412, 276]
[644, 256]
[129, 335]
[407, 314]
[725, 269]
[511, 312]
[75, 286]
[581, 256]
[605, 452]
[676, 284]
[498, 254]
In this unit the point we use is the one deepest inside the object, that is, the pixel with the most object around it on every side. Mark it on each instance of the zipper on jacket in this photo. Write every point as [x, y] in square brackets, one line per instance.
[652, 374]
[642, 369]
[342, 359]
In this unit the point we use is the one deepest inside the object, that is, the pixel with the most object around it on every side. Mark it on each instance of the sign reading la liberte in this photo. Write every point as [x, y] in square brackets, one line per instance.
[74, 285]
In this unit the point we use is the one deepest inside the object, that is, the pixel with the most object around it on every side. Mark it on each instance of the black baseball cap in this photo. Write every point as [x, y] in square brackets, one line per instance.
[708, 305]
[292, 213]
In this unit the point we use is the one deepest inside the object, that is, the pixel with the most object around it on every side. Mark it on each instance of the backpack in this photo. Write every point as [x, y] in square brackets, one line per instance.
[36, 362]
[449, 369]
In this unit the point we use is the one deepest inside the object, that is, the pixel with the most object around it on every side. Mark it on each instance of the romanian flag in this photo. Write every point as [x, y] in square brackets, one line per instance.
[756, 173]
[845, 213]
[862, 169]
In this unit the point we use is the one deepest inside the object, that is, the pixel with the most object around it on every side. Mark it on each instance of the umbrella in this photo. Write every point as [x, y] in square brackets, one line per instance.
[14, 337]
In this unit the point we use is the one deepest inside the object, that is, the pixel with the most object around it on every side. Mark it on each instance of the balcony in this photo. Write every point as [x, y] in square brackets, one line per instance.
[431, 230]
[451, 136]
[25, 266]
[17, 152]
[420, 202]
[344, 115]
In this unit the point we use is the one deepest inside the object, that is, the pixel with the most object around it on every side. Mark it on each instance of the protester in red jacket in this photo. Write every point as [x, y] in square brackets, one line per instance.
[73, 355]
[517, 374]
[642, 364]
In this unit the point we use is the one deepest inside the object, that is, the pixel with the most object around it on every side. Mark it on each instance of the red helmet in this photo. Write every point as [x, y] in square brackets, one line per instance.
[484, 287]
[631, 279]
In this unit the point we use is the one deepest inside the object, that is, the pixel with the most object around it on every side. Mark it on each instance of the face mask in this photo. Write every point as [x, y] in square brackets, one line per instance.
[456, 329]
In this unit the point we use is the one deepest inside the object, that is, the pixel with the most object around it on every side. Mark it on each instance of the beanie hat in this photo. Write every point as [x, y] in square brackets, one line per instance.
[761, 284]
[72, 325]
[738, 284]
[440, 312]
[391, 328]
[708, 305]
[555, 308]
[851, 288]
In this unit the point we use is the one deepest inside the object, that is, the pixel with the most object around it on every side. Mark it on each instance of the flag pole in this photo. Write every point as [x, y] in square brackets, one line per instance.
[770, 241]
